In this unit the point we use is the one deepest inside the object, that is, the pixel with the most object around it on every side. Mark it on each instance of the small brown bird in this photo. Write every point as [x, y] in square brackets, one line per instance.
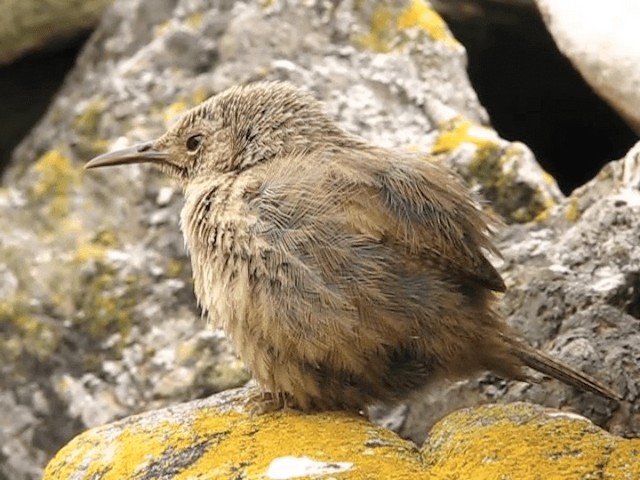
[344, 274]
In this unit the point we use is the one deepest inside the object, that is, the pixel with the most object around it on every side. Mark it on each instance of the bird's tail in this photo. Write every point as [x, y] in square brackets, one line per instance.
[548, 365]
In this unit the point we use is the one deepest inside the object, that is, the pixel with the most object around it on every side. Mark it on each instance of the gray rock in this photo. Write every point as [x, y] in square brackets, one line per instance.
[602, 45]
[573, 291]
[99, 320]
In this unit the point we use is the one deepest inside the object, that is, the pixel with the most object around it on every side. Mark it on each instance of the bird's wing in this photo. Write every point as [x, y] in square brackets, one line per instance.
[420, 206]
[414, 206]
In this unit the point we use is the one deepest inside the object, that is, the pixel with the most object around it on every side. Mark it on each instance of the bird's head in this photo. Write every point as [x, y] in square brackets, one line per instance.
[232, 132]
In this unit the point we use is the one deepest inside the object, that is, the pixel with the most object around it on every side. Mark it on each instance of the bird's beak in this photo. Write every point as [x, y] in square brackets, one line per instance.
[141, 153]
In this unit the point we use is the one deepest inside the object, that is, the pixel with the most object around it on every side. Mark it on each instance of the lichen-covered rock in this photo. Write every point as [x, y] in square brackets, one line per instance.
[217, 438]
[572, 289]
[97, 315]
[31, 24]
[526, 442]
[220, 438]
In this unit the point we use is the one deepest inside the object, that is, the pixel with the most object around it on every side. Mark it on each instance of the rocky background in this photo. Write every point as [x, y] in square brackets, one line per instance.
[97, 315]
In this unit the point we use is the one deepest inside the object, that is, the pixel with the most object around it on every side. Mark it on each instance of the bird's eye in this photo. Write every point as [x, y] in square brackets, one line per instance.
[193, 142]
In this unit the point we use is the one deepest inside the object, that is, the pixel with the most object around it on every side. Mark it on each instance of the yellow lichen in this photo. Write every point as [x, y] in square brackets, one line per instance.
[460, 131]
[173, 111]
[492, 167]
[95, 248]
[174, 267]
[106, 238]
[388, 27]
[381, 31]
[520, 441]
[87, 122]
[99, 145]
[199, 96]
[71, 225]
[500, 187]
[548, 203]
[162, 28]
[24, 336]
[195, 20]
[516, 441]
[572, 210]
[106, 302]
[56, 179]
[420, 14]
[233, 445]
[88, 251]
[548, 178]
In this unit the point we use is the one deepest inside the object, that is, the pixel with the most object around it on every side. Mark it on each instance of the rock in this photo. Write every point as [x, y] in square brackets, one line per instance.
[572, 280]
[526, 442]
[31, 25]
[601, 42]
[218, 438]
[99, 318]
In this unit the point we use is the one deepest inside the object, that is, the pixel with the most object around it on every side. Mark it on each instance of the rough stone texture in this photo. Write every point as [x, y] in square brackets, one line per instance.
[601, 40]
[97, 316]
[523, 441]
[573, 290]
[32, 24]
[216, 438]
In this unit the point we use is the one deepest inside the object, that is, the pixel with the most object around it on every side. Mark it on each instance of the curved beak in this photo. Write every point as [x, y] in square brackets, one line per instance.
[141, 153]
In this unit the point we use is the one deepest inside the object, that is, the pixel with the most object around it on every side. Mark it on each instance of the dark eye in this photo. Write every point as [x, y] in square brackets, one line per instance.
[193, 142]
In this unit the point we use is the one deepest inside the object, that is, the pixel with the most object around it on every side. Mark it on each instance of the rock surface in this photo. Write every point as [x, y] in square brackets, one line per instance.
[572, 280]
[217, 438]
[97, 315]
[32, 24]
[601, 40]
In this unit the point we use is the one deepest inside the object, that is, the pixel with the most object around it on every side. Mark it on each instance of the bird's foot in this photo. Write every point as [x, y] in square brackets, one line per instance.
[267, 402]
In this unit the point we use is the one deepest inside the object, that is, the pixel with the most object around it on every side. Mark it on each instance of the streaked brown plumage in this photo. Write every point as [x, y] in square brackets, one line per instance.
[344, 274]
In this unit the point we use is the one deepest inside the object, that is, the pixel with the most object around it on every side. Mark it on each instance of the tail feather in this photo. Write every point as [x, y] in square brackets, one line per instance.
[548, 365]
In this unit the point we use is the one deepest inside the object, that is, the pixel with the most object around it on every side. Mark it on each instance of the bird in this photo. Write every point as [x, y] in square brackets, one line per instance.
[346, 275]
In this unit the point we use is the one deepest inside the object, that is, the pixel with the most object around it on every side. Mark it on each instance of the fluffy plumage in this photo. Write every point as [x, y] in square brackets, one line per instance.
[344, 274]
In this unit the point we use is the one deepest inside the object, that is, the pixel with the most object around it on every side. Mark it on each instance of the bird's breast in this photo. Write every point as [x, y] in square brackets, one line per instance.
[216, 233]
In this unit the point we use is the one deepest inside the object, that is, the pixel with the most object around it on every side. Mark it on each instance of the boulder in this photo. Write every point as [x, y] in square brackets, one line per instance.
[97, 315]
[601, 42]
[219, 438]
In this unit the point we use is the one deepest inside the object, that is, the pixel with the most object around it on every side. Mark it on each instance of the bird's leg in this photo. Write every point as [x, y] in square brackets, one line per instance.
[266, 402]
